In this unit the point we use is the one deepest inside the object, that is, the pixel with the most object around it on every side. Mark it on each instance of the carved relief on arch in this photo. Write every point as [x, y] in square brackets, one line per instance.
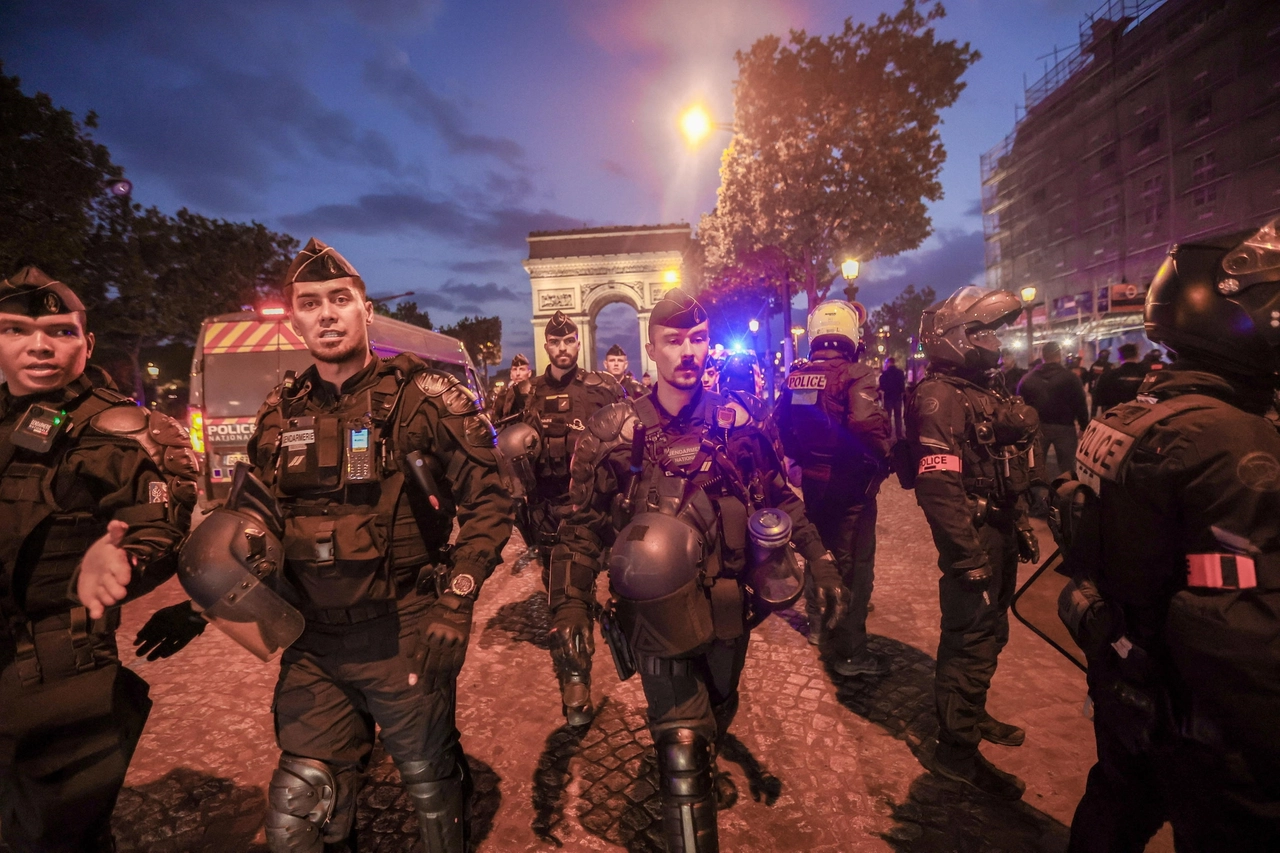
[596, 296]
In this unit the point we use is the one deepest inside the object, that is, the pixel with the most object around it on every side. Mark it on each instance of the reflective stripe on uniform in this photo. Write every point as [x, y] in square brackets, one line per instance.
[939, 462]
[1221, 571]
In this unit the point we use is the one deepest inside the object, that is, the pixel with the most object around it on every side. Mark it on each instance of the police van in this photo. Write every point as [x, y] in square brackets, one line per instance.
[240, 357]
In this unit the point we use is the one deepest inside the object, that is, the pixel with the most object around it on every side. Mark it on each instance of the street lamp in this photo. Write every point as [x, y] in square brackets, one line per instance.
[849, 269]
[696, 124]
[1028, 295]
[754, 325]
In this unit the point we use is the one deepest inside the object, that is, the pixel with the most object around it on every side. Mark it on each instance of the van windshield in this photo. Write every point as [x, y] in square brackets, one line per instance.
[236, 383]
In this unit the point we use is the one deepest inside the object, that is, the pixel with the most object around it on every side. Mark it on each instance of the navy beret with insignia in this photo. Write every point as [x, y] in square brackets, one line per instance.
[519, 360]
[560, 325]
[31, 293]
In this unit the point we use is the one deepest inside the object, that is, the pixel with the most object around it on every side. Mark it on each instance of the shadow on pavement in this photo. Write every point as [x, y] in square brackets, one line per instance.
[526, 621]
[938, 815]
[763, 786]
[187, 810]
[551, 779]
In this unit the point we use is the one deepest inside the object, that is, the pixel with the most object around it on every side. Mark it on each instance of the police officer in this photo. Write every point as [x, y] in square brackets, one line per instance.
[95, 493]
[561, 401]
[369, 461]
[1184, 666]
[833, 426]
[971, 445]
[692, 500]
[616, 364]
[512, 399]
[738, 383]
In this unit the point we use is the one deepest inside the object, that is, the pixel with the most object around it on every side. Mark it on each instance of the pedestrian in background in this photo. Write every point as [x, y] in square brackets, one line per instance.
[1120, 385]
[1058, 396]
[893, 386]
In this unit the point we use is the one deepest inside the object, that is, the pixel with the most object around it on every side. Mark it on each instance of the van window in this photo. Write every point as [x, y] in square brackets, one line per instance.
[236, 383]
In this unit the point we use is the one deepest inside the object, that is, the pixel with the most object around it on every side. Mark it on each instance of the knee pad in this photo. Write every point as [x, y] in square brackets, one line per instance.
[302, 799]
[440, 803]
[688, 798]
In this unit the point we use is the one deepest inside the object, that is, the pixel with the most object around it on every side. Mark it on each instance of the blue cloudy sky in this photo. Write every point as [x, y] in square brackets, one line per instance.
[425, 138]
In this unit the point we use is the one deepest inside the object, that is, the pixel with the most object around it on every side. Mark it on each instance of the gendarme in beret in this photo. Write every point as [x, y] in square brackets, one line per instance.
[319, 262]
[31, 293]
[616, 350]
[560, 325]
[519, 360]
[677, 310]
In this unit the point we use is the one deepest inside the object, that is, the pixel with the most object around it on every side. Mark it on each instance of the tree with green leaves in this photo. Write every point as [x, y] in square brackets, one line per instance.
[836, 149]
[482, 336]
[54, 183]
[896, 324]
[405, 312]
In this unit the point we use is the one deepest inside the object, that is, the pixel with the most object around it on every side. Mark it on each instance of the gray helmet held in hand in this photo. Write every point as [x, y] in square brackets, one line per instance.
[960, 330]
[518, 445]
[227, 564]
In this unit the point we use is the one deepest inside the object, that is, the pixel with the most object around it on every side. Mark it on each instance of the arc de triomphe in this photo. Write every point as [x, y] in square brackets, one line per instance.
[580, 272]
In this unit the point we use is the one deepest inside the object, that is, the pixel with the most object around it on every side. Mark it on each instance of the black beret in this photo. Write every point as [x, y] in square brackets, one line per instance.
[616, 350]
[31, 293]
[519, 360]
[678, 310]
[560, 325]
[319, 262]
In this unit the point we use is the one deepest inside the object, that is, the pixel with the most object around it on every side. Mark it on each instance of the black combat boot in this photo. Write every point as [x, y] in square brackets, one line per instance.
[1000, 733]
[980, 774]
[688, 792]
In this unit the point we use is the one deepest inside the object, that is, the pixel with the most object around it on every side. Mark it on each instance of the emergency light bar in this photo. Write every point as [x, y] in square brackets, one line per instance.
[272, 311]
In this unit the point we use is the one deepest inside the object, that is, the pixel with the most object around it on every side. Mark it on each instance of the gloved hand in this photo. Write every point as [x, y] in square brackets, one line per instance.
[1028, 546]
[975, 580]
[834, 596]
[572, 639]
[448, 626]
[168, 630]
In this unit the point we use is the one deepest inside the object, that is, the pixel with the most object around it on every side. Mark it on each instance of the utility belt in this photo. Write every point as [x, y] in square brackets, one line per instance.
[985, 510]
[79, 630]
[430, 579]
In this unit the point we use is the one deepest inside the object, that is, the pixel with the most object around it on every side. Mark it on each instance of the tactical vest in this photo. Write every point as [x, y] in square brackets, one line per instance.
[562, 413]
[45, 541]
[997, 453]
[352, 533]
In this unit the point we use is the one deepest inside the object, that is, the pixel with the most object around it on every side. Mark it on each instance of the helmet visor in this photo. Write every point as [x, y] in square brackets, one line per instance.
[256, 617]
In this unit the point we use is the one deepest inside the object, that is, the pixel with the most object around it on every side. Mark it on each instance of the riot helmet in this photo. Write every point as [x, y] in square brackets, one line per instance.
[654, 556]
[517, 451]
[834, 324]
[1219, 301]
[229, 566]
[739, 373]
[960, 330]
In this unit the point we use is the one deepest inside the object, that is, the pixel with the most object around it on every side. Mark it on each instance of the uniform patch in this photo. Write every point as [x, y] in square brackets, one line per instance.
[929, 406]
[1221, 571]
[804, 398]
[939, 462]
[683, 452]
[1259, 471]
[725, 417]
[158, 492]
[1101, 453]
[807, 381]
[298, 438]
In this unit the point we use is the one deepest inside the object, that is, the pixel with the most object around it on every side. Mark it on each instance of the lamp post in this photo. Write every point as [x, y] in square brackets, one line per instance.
[1028, 295]
[849, 269]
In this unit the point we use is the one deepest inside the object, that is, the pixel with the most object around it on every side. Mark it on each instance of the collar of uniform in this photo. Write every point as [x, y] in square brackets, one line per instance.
[1185, 377]
[73, 390]
[563, 381]
[325, 394]
[701, 409]
[956, 374]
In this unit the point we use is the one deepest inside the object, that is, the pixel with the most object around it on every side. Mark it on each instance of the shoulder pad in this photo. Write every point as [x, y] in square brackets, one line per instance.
[612, 421]
[753, 404]
[592, 377]
[525, 386]
[274, 396]
[120, 420]
[741, 416]
[167, 431]
[455, 397]
[407, 362]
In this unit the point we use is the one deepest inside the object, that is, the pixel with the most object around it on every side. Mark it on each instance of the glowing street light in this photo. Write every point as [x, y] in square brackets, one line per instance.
[754, 325]
[1028, 295]
[695, 124]
[849, 269]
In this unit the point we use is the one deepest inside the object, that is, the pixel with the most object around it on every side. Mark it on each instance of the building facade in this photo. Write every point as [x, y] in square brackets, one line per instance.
[580, 272]
[1162, 127]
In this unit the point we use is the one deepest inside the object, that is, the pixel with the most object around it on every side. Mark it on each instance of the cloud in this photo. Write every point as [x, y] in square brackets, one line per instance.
[974, 209]
[614, 168]
[954, 260]
[379, 213]
[390, 76]
[482, 267]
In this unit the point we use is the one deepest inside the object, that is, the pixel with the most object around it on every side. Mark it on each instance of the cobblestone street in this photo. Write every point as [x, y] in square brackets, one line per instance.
[822, 763]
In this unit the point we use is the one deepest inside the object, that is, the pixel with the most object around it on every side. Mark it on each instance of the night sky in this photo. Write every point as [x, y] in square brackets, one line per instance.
[425, 138]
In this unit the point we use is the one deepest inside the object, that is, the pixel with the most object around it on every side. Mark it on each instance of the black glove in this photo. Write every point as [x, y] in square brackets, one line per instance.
[168, 630]
[975, 580]
[572, 639]
[832, 593]
[448, 625]
[1028, 546]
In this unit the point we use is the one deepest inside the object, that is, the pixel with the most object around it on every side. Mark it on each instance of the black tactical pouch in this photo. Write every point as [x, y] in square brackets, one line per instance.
[904, 463]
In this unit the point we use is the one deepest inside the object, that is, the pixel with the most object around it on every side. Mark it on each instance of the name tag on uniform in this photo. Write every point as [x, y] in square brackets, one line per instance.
[1101, 452]
[298, 438]
[804, 398]
[939, 462]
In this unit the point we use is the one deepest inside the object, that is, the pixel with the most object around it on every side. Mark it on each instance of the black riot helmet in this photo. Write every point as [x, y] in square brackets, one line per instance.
[739, 373]
[1218, 301]
[960, 330]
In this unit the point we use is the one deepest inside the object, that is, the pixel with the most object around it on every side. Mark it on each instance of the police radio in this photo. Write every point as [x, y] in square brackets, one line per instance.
[360, 467]
[39, 428]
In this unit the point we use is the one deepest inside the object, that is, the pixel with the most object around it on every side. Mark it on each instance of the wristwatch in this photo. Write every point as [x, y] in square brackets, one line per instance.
[464, 585]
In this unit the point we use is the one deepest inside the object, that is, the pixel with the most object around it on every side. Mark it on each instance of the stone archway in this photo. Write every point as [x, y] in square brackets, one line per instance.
[580, 272]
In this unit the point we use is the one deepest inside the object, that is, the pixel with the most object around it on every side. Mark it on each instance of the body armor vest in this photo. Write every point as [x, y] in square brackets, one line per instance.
[562, 412]
[352, 532]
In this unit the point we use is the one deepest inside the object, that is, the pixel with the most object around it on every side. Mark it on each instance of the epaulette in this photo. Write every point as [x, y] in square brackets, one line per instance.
[456, 398]
[612, 421]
